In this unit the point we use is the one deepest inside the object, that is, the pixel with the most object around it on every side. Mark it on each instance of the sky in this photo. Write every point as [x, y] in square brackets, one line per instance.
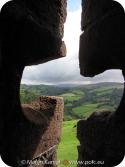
[66, 70]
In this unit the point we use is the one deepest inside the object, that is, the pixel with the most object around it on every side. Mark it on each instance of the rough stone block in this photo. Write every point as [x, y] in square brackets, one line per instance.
[101, 139]
[32, 31]
[102, 44]
[37, 133]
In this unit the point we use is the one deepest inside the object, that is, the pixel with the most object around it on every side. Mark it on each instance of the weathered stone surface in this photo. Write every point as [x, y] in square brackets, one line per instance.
[37, 131]
[32, 31]
[50, 14]
[95, 10]
[102, 47]
[102, 139]
[102, 44]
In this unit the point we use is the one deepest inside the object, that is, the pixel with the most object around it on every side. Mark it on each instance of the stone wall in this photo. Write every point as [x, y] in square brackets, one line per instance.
[102, 47]
[37, 134]
[102, 43]
[31, 32]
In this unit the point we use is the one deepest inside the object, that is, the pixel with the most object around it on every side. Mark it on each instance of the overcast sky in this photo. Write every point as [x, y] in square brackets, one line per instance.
[66, 70]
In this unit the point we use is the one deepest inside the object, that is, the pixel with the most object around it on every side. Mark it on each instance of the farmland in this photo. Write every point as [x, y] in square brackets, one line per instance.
[80, 102]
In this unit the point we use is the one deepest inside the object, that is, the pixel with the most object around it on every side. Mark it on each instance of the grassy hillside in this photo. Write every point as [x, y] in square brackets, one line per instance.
[87, 108]
[67, 149]
[80, 100]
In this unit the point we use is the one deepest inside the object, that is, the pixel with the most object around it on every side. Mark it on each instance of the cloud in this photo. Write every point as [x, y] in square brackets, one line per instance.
[66, 70]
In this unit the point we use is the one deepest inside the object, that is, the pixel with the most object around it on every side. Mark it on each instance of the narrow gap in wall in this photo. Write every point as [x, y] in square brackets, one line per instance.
[82, 96]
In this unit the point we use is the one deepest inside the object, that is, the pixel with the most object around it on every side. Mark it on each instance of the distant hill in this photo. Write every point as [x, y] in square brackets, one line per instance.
[80, 100]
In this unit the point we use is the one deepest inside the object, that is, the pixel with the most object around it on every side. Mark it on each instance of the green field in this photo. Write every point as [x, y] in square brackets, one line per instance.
[85, 110]
[80, 100]
[67, 149]
[72, 96]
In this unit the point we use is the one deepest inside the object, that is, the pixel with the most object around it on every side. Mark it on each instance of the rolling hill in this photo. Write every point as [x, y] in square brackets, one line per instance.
[80, 100]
